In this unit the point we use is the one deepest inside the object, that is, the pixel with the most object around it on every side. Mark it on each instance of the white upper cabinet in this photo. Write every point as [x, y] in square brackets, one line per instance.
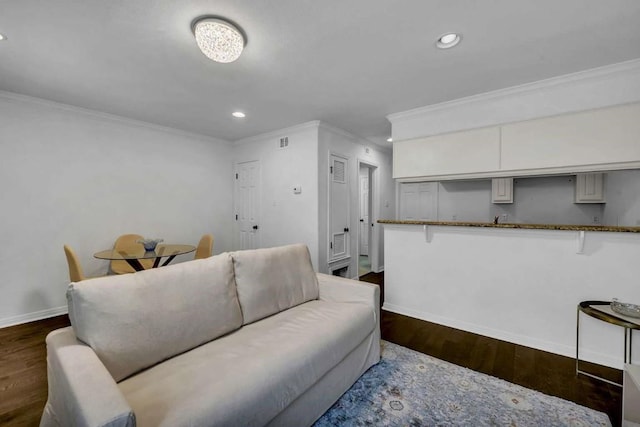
[502, 190]
[588, 141]
[590, 188]
[608, 136]
[468, 152]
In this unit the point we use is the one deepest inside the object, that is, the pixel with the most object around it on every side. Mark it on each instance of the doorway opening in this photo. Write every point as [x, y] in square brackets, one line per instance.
[367, 202]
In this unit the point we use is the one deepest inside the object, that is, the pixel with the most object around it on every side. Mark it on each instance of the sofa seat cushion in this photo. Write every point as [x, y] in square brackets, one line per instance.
[273, 279]
[133, 321]
[249, 376]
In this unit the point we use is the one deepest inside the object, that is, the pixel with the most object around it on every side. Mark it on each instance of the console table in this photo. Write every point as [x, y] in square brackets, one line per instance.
[601, 310]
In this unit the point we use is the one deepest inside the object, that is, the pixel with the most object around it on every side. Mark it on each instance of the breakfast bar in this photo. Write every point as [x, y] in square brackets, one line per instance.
[515, 282]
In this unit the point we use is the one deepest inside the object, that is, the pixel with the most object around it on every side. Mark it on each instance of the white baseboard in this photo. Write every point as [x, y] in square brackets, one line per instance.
[551, 347]
[30, 317]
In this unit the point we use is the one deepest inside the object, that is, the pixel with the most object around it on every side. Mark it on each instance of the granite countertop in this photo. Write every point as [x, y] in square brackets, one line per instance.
[571, 227]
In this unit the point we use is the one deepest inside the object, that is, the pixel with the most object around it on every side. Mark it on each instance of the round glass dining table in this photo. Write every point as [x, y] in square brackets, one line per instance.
[133, 256]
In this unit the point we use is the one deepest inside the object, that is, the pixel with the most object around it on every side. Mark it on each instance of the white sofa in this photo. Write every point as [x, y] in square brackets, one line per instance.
[248, 338]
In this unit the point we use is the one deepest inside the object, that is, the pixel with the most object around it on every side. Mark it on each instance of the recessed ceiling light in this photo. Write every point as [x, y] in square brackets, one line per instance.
[448, 40]
[2, 37]
[389, 139]
[238, 114]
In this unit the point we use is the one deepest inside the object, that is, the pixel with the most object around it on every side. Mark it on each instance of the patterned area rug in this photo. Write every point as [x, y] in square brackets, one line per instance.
[408, 388]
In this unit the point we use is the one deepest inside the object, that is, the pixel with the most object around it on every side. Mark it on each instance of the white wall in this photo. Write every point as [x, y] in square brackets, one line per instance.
[286, 217]
[520, 286]
[337, 141]
[72, 176]
[537, 200]
[465, 201]
[468, 260]
[622, 193]
[543, 200]
[548, 200]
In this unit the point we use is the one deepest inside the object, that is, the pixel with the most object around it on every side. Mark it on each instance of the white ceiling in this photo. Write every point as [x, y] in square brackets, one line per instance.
[348, 63]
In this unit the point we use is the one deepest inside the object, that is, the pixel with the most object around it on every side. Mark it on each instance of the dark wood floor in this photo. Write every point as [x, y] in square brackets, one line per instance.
[23, 371]
[546, 372]
[23, 379]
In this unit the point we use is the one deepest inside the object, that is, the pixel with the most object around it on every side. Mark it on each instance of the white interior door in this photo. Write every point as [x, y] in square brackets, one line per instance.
[338, 208]
[247, 205]
[364, 214]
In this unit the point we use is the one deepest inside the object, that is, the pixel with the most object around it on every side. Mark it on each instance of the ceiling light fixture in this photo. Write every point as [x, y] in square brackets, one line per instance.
[389, 139]
[448, 40]
[2, 37]
[218, 39]
[238, 114]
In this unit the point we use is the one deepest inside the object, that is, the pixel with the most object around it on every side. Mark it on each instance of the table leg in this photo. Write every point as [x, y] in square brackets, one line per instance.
[577, 338]
[135, 264]
[630, 332]
[168, 260]
[626, 351]
[156, 262]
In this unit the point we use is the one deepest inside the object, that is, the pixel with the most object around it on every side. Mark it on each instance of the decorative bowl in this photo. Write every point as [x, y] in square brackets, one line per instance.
[624, 308]
[150, 244]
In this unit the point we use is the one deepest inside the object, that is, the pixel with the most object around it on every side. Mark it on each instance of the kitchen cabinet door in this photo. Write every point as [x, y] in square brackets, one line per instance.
[608, 136]
[589, 188]
[469, 152]
[502, 190]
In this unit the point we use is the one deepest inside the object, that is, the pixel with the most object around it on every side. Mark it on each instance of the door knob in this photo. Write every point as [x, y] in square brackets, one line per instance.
[255, 227]
[346, 230]
[361, 220]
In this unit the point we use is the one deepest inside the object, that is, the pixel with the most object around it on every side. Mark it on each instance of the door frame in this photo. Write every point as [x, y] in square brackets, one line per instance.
[374, 213]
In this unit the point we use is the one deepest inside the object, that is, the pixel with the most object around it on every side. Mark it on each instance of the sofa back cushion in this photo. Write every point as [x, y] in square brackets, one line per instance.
[133, 321]
[274, 279]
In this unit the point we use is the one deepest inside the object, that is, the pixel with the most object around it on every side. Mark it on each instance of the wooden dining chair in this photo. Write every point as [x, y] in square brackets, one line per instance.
[75, 270]
[128, 242]
[205, 247]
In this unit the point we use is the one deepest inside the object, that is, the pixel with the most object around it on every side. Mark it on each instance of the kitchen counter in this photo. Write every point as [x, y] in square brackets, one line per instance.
[606, 228]
[514, 282]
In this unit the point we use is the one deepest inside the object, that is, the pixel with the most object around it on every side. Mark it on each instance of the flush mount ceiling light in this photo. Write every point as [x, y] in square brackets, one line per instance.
[218, 39]
[2, 37]
[239, 114]
[389, 139]
[448, 40]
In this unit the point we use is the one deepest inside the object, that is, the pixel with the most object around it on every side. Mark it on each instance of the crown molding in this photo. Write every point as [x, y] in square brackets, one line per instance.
[339, 131]
[580, 76]
[356, 139]
[315, 124]
[16, 97]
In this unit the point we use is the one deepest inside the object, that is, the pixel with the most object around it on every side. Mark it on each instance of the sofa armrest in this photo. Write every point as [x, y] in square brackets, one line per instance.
[81, 390]
[340, 289]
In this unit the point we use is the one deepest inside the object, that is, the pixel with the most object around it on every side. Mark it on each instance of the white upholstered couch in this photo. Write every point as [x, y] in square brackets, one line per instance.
[248, 338]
